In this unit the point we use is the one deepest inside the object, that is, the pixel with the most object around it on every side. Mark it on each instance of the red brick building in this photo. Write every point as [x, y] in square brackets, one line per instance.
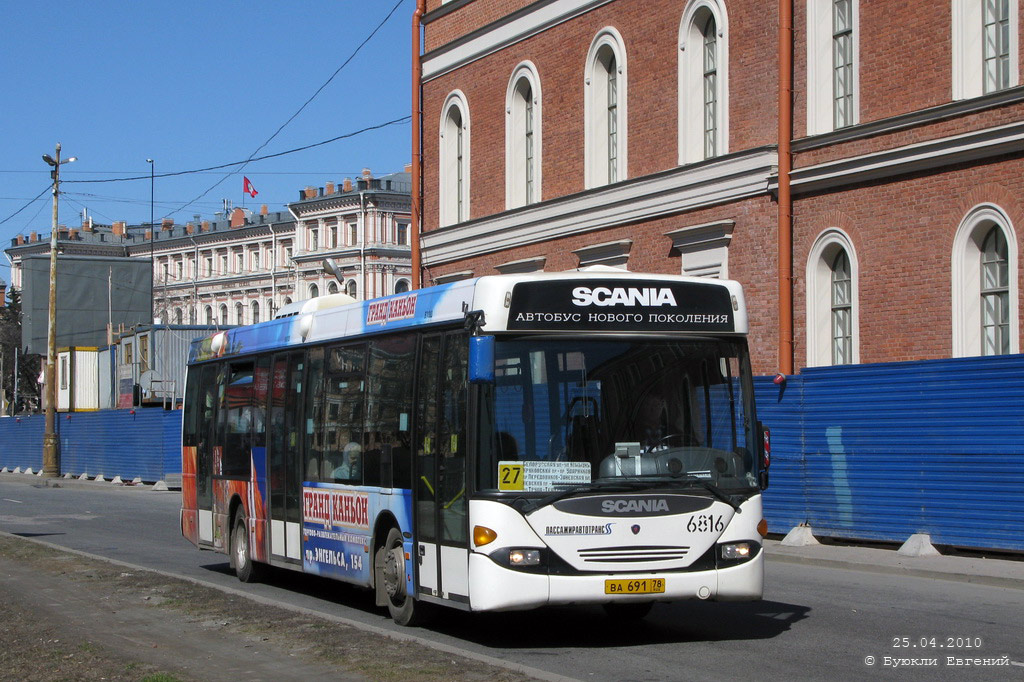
[645, 134]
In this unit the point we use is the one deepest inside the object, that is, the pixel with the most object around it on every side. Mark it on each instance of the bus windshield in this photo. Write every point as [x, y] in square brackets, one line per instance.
[564, 413]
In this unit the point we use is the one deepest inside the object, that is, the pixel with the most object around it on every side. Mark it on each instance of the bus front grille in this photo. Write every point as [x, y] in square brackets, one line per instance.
[632, 555]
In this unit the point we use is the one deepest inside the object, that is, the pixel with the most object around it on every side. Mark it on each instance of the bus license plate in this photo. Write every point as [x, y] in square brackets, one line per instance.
[640, 586]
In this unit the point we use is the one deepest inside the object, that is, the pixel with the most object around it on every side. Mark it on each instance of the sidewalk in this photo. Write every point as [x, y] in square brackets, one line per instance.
[971, 569]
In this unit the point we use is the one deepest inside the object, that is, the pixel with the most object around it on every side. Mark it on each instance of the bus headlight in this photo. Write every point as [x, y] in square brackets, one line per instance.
[736, 550]
[524, 557]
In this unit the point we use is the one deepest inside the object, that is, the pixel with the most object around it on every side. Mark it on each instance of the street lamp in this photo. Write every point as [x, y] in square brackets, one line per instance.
[152, 262]
[51, 457]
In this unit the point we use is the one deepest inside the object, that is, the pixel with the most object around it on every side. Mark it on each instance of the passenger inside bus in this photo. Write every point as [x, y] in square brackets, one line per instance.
[349, 469]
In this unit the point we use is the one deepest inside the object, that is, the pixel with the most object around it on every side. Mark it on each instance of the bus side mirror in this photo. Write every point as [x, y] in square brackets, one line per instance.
[481, 359]
[765, 446]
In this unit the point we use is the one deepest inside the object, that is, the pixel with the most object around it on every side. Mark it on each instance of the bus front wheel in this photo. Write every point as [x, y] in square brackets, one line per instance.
[246, 569]
[391, 576]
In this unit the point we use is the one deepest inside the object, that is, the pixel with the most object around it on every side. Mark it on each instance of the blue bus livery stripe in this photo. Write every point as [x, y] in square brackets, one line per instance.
[400, 311]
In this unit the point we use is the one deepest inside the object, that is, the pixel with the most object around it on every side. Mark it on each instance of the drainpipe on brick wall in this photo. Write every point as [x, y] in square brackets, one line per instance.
[415, 222]
[785, 320]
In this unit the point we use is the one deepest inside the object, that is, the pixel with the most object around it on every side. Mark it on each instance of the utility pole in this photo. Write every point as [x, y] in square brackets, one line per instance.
[152, 236]
[51, 457]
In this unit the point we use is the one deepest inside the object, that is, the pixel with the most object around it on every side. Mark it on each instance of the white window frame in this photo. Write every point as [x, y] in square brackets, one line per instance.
[516, 111]
[450, 194]
[968, 48]
[820, 91]
[703, 249]
[966, 278]
[690, 81]
[595, 107]
[819, 297]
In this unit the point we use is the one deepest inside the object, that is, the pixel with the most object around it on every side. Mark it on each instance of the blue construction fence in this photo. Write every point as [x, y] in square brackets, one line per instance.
[879, 452]
[144, 443]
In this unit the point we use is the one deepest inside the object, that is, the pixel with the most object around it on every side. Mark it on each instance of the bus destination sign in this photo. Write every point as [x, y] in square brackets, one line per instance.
[619, 304]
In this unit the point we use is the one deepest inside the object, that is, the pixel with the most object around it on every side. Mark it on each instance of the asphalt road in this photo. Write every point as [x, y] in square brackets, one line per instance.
[815, 622]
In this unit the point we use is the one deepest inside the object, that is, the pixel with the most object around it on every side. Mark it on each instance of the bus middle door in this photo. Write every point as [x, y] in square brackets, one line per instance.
[441, 509]
[284, 442]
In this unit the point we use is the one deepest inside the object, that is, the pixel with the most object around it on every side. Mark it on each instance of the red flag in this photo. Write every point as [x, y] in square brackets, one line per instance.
[248, 188]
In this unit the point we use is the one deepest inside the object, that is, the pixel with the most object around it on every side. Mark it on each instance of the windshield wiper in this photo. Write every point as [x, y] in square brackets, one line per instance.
[533, 505]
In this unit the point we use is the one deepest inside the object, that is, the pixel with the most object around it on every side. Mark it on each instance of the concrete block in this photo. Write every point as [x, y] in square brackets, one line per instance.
[29, 471]
[116, 480]
[17, 470]
[4, 470]
[160, 485]
[918, 544]
[99, 477]
[68, 474]
[83, 477]
[799, 536]
[137, 480]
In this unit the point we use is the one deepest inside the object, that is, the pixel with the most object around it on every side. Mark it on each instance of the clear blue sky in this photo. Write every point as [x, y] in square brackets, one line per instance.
[193, 84]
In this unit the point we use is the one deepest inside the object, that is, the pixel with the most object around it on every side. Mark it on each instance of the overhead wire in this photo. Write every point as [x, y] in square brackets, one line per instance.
[300, 109]
[252, 157]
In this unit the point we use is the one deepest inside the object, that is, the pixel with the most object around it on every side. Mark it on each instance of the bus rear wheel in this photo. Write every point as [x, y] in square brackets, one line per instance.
[247, 570]
[391, 575]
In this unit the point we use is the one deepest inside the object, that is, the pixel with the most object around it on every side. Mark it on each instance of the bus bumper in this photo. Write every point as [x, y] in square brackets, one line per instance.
[493, 587]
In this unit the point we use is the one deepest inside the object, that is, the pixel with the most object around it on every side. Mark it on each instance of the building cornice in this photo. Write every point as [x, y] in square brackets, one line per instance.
[913, 119]
[922, 156]
[518, 26]
[708, 183]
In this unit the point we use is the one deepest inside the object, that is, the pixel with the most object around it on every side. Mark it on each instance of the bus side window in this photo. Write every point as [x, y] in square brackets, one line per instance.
[237, 417]
[390, 364]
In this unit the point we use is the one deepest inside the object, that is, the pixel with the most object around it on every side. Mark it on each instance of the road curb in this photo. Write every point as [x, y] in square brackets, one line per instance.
[366, 627]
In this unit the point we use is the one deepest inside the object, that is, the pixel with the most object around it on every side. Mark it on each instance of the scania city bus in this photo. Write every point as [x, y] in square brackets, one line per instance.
[498, 443]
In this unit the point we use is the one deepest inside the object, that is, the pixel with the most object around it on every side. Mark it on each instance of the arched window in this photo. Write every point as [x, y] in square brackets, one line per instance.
[239, 313]
[842, 309]
[453, 198]
[833, 335]
[985, 47]
[401, 286]
[604, 111]
[350, 288]
[985, 293]
[208, 314]
[833, 93]
[254, 312]
[191, 315]
[178, 316]
[522, 137]
[703, 82]
[314, 291]
[332, 287]
[223, 314]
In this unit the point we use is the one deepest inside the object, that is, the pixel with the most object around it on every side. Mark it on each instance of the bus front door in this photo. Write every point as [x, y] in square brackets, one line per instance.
[284, 443]
[442, 530]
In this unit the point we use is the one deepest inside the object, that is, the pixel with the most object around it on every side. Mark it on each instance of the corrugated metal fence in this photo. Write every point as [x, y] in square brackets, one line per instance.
[879, 452]
[146, 443]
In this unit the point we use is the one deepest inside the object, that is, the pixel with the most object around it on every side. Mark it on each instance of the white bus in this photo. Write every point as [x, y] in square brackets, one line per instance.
[498, 443]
